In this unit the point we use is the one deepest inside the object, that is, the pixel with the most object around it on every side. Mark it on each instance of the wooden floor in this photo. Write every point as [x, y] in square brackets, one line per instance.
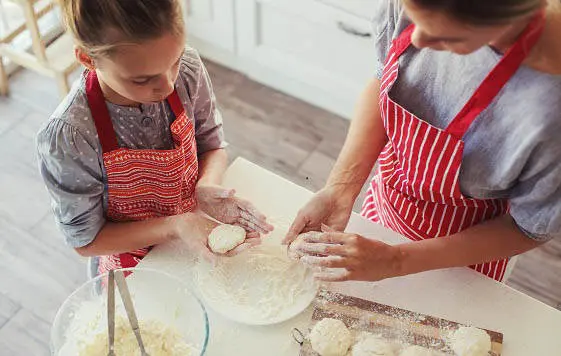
[280, 133]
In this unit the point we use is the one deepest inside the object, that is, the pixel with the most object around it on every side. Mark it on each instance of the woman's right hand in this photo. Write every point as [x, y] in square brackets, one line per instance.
[194, 229]
[327, 207]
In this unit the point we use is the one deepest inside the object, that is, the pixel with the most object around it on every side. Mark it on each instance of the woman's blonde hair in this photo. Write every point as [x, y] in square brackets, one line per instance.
[483, 12]
[99, 26]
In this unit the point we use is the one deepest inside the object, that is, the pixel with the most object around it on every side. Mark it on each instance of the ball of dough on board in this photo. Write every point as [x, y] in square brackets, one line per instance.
[416, 350]
[470, 341]
[372, 345]
[330, 337]
[224, 238]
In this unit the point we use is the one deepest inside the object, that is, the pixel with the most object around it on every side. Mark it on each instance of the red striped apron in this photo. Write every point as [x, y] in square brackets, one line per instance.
[416, 190]
[144, 184]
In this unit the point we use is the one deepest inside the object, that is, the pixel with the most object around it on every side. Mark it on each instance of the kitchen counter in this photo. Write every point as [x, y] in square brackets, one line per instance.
[530, 327]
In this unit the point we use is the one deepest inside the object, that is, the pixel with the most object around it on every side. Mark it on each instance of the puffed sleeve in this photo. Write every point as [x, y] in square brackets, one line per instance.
[72, 173]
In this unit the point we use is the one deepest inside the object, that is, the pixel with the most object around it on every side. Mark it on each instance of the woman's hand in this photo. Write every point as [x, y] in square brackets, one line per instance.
[341, 257]
[194, 230]
[222, 204]
[327, 207]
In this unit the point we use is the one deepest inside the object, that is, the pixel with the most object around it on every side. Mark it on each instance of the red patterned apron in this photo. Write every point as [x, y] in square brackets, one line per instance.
[144, 184]
[416, 190]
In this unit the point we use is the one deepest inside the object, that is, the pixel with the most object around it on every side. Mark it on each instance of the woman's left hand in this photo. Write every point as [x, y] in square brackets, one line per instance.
[223, 205]
[341, 256]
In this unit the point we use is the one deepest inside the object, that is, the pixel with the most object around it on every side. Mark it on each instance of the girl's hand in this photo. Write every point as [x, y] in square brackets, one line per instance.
[194, 230]
[342, 257]
[222, 204]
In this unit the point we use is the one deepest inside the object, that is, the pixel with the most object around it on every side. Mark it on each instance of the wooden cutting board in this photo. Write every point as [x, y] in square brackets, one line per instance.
[399, 325]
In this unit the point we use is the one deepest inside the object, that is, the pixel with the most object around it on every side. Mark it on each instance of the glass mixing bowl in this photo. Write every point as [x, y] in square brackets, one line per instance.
[158, 298]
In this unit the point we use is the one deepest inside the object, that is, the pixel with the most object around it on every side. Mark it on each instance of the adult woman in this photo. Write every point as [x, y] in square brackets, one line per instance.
[463, 119]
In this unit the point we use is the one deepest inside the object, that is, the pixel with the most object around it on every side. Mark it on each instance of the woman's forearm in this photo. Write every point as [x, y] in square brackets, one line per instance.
[364, 142]
[212, 165]
[115, 238]
[492, 240]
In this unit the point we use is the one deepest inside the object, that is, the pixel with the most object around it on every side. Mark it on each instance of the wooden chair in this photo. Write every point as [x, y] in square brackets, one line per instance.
[55, 60]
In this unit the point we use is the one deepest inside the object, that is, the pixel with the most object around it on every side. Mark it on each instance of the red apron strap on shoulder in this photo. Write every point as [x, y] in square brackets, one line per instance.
[497, 78]
[100, 113]
[175, 104]
[403, 41]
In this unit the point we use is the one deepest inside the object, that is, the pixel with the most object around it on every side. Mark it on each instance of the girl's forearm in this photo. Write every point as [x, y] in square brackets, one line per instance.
[212, 165]
[116, 238]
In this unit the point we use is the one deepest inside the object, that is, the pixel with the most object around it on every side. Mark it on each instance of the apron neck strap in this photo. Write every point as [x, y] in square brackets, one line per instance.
[100, 113]
[175, 103]
[498, 77]
[403, 41]
[495, 80]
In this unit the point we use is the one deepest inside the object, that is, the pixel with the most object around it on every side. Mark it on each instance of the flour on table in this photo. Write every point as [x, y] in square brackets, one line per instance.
[470, 341]
[373, 345]
[330, 337]
[224, 238]
[416, 350]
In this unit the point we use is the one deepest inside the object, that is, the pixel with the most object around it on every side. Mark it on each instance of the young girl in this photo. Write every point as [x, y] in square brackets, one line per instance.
[464, 119]
[138, 143]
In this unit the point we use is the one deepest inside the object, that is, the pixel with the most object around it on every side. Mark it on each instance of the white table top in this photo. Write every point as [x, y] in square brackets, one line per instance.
[460, 294]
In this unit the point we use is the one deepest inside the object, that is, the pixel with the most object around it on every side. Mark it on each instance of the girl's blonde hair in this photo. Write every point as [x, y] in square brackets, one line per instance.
[99, 26]
[483, 12]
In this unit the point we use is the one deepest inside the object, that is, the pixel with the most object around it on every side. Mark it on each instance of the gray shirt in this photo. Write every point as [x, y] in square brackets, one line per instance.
[513, 149]
[69, 151]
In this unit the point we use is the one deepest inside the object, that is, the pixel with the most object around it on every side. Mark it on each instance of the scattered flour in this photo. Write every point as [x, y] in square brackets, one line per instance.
[416, 350]
[373, 345]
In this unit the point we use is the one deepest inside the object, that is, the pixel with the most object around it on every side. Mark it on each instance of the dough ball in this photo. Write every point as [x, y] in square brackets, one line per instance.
[470, 341]
[224, 238]
[416, 350]
[294, 252]
[294, 249]
[372, 345]
[330, 337]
